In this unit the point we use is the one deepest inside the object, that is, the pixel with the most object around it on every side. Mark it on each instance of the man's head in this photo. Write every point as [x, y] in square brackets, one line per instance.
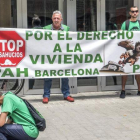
[57, 18]
[36, 21]
[134, 12]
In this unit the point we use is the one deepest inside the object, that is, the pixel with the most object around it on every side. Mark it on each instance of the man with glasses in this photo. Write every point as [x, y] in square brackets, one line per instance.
[131, 25]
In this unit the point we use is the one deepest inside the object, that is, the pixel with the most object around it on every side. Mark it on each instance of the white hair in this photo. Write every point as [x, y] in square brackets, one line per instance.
[57, 12]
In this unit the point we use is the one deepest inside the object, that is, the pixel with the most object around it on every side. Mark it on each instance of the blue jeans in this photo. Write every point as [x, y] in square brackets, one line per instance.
[13, 132]
[64, 87]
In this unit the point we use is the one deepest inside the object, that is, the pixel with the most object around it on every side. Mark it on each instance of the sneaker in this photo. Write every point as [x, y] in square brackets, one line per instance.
[138, 93]
[45, 100]
[69, 98]
[122, 95]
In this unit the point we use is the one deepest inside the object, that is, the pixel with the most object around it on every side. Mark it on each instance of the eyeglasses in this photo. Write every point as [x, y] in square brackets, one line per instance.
[134, 11]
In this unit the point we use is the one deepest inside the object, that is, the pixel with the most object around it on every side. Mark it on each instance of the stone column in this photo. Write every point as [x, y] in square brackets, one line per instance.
[5, 13]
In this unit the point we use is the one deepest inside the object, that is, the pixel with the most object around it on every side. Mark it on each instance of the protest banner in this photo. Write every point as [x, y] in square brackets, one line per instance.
[38, 53]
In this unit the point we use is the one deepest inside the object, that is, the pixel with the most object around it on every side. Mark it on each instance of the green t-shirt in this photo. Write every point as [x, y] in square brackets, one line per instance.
[13, 104]
[133, 26]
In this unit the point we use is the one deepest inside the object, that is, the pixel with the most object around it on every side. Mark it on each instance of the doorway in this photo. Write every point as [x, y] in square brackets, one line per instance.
[86, 11]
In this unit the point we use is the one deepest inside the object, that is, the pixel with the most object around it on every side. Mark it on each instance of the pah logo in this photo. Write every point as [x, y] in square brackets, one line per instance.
[12, 48]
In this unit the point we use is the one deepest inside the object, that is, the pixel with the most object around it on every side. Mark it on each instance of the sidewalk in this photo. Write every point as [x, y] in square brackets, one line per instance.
[93, 116]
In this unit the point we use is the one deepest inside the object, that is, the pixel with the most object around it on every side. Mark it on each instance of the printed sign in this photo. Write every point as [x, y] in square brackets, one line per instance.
[12, 49]
[57, 54]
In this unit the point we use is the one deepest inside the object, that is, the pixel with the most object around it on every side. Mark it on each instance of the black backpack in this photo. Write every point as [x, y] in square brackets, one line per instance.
[127, 24]
[38, 118]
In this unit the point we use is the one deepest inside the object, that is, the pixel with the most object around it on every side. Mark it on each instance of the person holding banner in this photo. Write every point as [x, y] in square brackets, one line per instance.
[56, 25]
[131, 25]
[13, 125]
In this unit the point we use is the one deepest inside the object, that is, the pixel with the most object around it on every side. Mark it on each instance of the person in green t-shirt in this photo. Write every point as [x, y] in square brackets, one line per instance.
[12, 125]
[133, 26]
[57, 26]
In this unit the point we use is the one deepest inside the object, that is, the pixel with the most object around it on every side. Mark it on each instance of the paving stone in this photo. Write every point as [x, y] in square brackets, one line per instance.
[93, 116]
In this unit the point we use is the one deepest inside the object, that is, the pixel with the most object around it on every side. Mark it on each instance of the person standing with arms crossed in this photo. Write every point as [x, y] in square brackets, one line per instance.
[56, 25]
[131, 25]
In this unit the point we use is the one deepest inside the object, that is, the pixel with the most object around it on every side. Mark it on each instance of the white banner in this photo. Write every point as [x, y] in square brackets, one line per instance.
[38, 53]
